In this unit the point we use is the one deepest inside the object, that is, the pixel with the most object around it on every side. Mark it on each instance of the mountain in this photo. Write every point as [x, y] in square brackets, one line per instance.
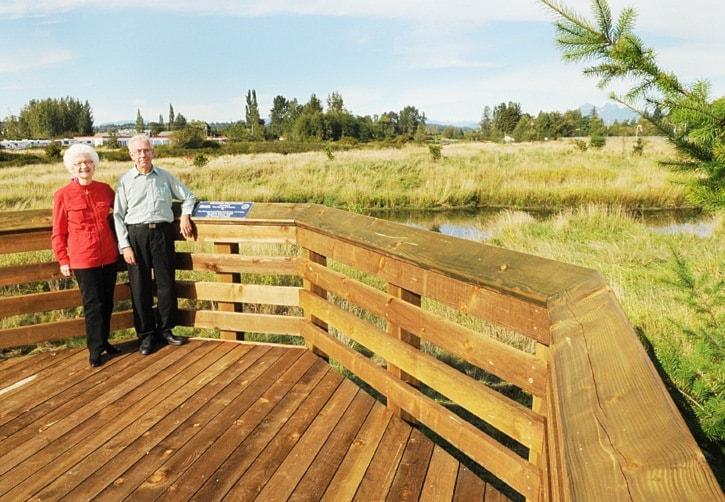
[462, 125]
[609, 113]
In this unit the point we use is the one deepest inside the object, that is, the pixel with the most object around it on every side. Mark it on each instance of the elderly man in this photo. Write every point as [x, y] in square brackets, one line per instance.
[143, 219]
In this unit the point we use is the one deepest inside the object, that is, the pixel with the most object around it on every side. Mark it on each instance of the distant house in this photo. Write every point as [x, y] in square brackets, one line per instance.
[94, 141]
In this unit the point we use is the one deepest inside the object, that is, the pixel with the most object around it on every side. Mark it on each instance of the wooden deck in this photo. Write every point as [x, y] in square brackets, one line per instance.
[210, 420]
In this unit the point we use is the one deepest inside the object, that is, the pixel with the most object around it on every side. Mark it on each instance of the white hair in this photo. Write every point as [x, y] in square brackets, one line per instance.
[140, 137]
[78, 150]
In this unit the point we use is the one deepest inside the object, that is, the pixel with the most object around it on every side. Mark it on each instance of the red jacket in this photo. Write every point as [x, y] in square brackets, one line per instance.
[82, 233]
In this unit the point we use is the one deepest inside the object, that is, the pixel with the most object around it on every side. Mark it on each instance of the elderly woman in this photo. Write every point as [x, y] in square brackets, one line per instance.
[84, 244]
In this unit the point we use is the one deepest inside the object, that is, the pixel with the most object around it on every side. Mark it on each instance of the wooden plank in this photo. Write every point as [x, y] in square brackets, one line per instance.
[247, 449]
[87, 435]
[619, 432]
[256, 323]
[500, 461]
[523, 370]
[263, 265]
[515, 274]
[67, 417]
[14, 222]
[161, 456]
[240, 293]
[313, 484]
[384, 464]
[225, 248]
[399, 331]
[503, 413]
[525, 314]
[219, 233]
[409, 477]
[51, 300]
[62, 330]
[25, 242]
[292, 428]
[440, 480]
[28, 401]
[357, 459]
[103, 465]
[206, 416]
[31, 272]
[291, 470]
[199, 459]
[469, 487]
[15, 369]
[175, 442]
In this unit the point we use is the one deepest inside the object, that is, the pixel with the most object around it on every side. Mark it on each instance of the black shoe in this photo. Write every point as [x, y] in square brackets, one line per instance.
[172, 339]
[111, 349]
[147, 346]
[95, 361]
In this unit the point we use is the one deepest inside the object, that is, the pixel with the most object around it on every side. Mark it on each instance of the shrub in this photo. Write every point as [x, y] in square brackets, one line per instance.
[695, 360]
[200, 160]
[53, 151]
[435, 151]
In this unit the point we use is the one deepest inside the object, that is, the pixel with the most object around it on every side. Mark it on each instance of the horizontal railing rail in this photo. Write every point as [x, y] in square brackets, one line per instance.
[528, 367]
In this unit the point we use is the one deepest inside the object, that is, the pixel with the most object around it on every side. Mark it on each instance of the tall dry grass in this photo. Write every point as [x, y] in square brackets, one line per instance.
[551, 175]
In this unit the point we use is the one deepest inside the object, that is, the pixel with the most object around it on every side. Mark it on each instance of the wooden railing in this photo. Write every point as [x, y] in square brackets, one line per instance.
[527, 366]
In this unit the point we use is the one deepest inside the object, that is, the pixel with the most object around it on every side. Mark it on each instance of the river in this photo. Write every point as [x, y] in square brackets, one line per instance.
[471, 224]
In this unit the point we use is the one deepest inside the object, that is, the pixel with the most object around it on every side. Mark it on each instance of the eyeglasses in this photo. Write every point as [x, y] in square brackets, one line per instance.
[80, 163]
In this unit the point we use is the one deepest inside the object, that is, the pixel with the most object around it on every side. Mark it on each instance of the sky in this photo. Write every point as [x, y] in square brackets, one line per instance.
[449, 59]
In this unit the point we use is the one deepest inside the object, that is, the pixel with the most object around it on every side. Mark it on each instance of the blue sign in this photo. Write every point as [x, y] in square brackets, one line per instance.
[207, 209]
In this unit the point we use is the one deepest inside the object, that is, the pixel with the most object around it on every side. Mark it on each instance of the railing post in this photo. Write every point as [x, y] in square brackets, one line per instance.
[397, 332]
[541, 458]
[229, 248]
[318, 291]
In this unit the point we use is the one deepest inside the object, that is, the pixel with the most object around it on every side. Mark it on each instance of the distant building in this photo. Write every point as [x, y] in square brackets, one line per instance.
[94, 141]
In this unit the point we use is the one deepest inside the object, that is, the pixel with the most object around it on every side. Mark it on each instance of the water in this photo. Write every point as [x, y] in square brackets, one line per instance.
[470, 224]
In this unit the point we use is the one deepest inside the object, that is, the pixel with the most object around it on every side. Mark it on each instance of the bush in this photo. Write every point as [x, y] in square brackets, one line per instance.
[695, 360]
[435, 151]
[200, 160]
[53, 151]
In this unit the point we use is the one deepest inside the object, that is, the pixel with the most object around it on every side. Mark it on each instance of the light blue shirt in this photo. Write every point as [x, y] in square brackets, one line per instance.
[147, 198]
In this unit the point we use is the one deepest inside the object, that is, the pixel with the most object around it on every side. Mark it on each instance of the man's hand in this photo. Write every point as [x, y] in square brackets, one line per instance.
[65, 270]
[129, 256]
[185, 226]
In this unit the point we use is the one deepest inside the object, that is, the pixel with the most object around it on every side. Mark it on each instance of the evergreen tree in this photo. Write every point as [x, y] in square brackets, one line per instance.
[172, 118]
[51, 118]
[409, 120]
[255, 125]
[505, 118]
[486, 123]
[139, 121]
[686, 114]
[277, 116]
[335, 103]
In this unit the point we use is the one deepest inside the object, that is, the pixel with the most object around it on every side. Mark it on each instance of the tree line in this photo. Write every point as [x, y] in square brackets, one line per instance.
[311, 121]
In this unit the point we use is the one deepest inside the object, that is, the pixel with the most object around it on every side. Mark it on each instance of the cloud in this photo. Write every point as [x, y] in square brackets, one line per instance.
[30, 60]
[461, 10]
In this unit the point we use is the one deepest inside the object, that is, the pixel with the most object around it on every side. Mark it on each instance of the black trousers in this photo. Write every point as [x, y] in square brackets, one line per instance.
[154, 249]
[97, 285]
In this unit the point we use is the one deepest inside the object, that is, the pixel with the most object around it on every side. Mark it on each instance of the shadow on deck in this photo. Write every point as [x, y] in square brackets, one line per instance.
[211, 420]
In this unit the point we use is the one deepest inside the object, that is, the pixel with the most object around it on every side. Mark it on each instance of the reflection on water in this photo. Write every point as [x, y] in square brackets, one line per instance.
[471, 225]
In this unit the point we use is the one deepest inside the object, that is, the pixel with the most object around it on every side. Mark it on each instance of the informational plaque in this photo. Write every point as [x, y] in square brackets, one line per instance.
[209, 209]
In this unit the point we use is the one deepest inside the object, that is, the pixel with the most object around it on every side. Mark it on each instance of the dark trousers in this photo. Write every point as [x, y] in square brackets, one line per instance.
[154, 249]
[97, 285]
